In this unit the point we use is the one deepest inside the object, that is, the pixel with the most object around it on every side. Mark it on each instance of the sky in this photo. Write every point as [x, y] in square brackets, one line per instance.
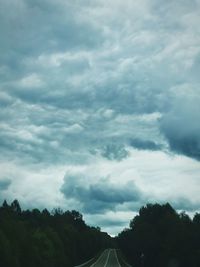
[100, 106]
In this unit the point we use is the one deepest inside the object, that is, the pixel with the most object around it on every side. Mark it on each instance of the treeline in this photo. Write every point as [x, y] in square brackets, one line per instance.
[40, 238]
[160, 237]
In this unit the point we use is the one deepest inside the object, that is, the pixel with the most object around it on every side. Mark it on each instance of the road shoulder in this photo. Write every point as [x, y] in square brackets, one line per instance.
[123, 262]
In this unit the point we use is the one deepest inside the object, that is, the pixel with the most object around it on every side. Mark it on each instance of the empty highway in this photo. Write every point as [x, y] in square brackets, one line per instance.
[108, 258]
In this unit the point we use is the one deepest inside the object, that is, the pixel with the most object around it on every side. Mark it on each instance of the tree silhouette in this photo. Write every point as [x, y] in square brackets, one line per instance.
[15, 206]
[159, 236]
[44, 239]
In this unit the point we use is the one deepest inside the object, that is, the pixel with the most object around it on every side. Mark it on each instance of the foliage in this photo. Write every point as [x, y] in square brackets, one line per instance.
[35, 238]
[159, 236]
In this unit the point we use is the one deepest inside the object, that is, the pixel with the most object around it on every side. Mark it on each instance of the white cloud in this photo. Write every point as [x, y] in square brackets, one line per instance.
[31, 81]
[83, 84]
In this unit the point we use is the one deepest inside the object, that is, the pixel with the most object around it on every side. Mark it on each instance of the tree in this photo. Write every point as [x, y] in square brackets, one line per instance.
[33, 238]
[5, 204]
[165, 237]
[15, 206]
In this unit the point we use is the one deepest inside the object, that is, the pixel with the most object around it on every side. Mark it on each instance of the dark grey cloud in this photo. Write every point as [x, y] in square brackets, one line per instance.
[61, 57]
[145, 144]
[88, 81]
[188, 146]
[185, 204]
[115, 152]
[99, 196]
[4, 183]
[5, 100]
[66, 56]
[59, 28]
[31, 28]
[181, 125]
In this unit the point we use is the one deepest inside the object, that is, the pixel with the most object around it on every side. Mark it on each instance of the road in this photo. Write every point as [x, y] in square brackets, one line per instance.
[108, 258]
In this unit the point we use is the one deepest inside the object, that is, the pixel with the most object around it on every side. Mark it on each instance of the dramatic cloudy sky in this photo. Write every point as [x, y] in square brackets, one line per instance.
[100, 106]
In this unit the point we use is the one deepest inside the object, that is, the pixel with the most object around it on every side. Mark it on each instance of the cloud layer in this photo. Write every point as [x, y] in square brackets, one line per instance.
[98, 83]
[4, 184]
[99, 196]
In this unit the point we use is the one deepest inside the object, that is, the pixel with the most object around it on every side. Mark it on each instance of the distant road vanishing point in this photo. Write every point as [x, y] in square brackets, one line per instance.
[108, 258]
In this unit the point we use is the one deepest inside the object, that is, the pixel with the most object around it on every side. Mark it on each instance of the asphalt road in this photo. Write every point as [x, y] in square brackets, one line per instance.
[108, 258]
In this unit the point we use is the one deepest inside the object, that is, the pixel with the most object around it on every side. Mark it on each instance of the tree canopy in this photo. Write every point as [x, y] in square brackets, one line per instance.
[159, 236]
[40, 238]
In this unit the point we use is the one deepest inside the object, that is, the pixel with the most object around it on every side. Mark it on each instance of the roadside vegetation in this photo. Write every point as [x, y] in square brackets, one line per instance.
[40, 238]
[157, 237]
[160, 237]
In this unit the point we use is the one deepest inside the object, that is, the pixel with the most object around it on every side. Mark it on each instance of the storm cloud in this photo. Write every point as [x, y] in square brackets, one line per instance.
[181, 124]
[86, 64]
[114, 152]
[145, 144]
[110, 84]
[4, 184]
[99, 196]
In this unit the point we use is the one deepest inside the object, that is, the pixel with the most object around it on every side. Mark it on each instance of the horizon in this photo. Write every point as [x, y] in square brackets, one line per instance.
[57, 210]
[100, 105]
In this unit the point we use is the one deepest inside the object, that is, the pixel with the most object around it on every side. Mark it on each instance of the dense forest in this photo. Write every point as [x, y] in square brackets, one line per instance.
[160, 237]
[157, 237]
[39, 238]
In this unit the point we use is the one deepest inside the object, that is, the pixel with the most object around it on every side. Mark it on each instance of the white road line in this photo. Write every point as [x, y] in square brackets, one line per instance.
[117, 258]
[98, 259]
[107, 258]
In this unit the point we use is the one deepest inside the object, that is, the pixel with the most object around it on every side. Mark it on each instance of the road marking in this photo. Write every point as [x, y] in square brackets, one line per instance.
[98, 259]
[117, 258]
[107, 258]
